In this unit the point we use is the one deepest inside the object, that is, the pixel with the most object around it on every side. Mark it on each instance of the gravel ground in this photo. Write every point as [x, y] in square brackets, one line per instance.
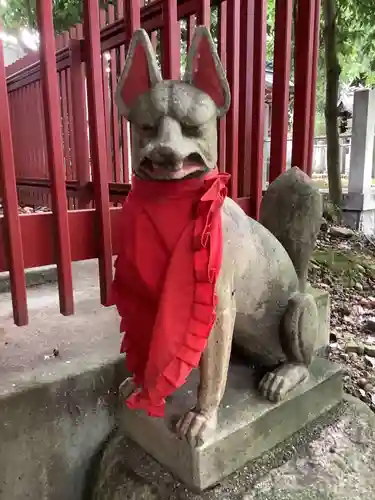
[344, 264]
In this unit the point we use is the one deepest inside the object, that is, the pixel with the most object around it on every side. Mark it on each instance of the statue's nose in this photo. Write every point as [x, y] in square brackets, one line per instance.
[166, 154]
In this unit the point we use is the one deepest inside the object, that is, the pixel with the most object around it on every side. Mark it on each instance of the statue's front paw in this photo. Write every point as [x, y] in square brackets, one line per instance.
[276, 385]
[195, 425]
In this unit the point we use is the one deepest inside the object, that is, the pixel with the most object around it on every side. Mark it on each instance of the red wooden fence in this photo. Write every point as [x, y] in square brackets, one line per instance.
[62, 144]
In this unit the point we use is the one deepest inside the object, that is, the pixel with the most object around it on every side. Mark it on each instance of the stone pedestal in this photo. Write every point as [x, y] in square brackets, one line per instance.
[359, 203]
[248, 425]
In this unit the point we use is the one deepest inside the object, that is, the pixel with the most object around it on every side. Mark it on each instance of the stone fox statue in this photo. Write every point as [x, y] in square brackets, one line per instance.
[195, 273]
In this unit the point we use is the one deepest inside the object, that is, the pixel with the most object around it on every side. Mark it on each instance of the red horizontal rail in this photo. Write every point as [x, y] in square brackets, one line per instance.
[39, 227]
[32, 73]
[82, 231]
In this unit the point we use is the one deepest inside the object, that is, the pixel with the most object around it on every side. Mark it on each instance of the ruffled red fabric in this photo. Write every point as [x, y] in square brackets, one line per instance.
[165, 277]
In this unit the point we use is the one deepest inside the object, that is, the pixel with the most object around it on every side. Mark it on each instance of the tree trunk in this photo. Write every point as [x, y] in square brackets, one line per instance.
[332, 96]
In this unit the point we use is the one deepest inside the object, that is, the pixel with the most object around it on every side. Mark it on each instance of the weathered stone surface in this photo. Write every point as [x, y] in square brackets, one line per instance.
[354, 347]
[332, 458]
[339, 465]
[58, 390]
[248, 425]
[370, 324]
[342, 232]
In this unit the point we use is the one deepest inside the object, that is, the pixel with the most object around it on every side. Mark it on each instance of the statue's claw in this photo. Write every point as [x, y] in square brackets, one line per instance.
[195, 425]
[127, 387]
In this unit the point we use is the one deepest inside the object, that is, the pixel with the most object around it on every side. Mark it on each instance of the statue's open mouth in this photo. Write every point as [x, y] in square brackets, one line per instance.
[192, 166]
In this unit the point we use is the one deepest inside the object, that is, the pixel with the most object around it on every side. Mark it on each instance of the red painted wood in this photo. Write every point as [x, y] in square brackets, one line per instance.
[42, 134]
[304, 36]
[98, 143]
[115, 130]
[204, 13]
[29, 119]
[34, 139]
[233, 61]
[314, 77]
[244, 203]
[222, 48]
[59, 42]
[40, 227]
[106, 89]
[82, 229]
[280, 90]
[11, 232]
[54, 152]
[123, 123]
[260, 24]
[65, 124]
[132, 14]
[73, 165]
[246, 96]
[171, 41]
[78, 119]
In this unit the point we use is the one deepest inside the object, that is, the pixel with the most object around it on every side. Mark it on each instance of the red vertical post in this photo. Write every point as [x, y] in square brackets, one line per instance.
[65, 123]
[222, 129]
[246, 95]
[73, 166]
[12, 235]
[105, 77]
[280, 87]
[98, 143]
[132, 16]
[124, 12]
[259, 68]
[304, 31]
[314, 77]
[114, 112]
[54, 153]
[170, 41]
[204, 13]
[79, 128]
[233, 73]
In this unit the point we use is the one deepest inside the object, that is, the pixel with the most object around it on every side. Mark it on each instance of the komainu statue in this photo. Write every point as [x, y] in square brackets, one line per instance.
[195, 274]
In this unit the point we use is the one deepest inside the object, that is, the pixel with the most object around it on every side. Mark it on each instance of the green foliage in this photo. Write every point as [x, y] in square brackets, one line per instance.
[22, 13]
[355, 26]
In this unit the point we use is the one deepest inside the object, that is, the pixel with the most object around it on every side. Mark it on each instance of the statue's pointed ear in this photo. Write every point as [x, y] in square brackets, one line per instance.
[205, 71]
[140, 73]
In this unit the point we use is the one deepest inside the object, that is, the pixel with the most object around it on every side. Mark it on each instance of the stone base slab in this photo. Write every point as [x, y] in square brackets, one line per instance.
[248, 425]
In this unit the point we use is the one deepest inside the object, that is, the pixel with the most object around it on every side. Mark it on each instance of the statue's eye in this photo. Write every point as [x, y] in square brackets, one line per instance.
[191, 130]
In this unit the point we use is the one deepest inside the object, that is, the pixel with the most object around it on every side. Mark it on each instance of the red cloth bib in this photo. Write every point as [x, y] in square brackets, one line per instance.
[165, 277]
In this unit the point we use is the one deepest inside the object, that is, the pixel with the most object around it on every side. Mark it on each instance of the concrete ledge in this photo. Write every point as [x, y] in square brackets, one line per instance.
[34, 277]
[51, 431]
[58, 390]
[248, 425]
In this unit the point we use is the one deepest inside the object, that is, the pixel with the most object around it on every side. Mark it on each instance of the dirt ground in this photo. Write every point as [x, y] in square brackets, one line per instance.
[344, 264]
